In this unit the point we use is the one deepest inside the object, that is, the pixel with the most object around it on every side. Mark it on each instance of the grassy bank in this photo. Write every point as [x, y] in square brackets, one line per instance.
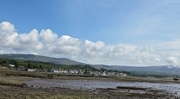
[12, 83]
[49, 75]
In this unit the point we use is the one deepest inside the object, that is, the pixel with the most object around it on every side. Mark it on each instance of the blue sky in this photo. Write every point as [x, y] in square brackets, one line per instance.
[123, 25]
[119, 20]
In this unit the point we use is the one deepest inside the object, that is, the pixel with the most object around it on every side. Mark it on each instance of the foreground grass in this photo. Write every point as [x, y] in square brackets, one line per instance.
[7, 92]
[14, 92]
[12, 83]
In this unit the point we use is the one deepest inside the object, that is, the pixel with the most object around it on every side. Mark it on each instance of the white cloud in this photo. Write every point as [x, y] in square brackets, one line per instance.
[65, 45]
[172, 60]
[93, 49]
[67, 40]
[48, 36]
[147, 55]
[28, 38]
[10, 39]
[28, 41]
[49, 44]
[119, 50]
[14, 42]
[6, 27]
[7, 33]
[128, 54]
[168, 45]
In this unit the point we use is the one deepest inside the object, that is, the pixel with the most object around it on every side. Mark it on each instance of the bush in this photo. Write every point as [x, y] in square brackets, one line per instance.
[50, 76]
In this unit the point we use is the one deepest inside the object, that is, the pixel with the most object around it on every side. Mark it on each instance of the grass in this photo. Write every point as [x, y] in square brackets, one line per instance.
[11, 83]
[127, 92]
[3, 67]
[30, 74]
[55, 93]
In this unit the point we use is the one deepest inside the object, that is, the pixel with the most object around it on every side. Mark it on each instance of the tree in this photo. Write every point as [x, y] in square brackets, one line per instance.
[87, 72]
[29, 65]
[4, 62]
[16, 64]
[40, 67]
[102, 69]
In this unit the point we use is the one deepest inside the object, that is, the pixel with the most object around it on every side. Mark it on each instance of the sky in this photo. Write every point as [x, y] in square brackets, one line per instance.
[111, 32]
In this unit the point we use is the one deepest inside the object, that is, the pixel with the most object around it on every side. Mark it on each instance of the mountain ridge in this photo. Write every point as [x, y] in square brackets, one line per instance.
[39, 58]
[147, 69]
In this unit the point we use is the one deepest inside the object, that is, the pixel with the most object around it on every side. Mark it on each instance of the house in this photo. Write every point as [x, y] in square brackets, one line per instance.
[81, 72]
[96, 73]
[55, 71]
[122, 74]
[64, 71]
[21, 68]
[73, 71]
[31, 70]
[104, 74]
[12, 65]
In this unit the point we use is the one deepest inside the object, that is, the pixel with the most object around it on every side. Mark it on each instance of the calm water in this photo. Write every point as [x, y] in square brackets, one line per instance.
[93, 84]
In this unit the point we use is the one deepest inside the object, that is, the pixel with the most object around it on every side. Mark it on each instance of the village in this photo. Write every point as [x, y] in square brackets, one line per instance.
[83, 72]
[72, 71]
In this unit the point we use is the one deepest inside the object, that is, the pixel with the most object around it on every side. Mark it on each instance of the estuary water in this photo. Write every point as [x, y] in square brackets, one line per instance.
[173, 88]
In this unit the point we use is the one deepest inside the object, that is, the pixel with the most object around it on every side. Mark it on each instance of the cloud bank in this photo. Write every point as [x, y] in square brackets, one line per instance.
[46, 42]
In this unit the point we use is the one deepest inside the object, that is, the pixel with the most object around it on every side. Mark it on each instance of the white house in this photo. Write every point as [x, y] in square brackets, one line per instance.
[12, 65]
[31, 70]
[55, 71]
[63, 71]
[104, 74]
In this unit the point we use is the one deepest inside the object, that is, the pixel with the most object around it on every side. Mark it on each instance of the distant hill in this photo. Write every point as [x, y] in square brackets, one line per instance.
[149, 69]
[38, 58]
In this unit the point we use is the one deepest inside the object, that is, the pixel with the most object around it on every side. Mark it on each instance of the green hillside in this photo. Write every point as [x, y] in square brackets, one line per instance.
[40, 65]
